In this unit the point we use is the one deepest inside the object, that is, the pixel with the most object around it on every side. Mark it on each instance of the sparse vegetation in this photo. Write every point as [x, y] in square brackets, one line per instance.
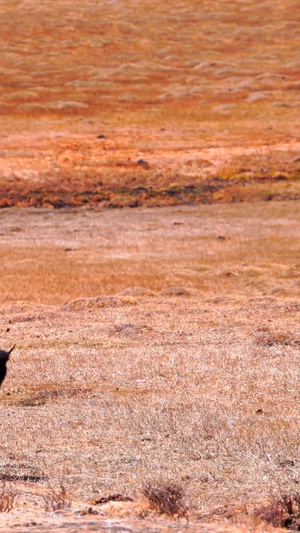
[56, 499]
[8, 495]
[97, 102]
[142, 361]
[283, 511]
[166, 498]
[152, 343]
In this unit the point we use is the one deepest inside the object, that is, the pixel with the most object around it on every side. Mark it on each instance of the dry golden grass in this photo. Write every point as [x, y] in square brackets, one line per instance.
[191, 378]
[151, 63]
[207, 93]
[51, 257]
[154, 347]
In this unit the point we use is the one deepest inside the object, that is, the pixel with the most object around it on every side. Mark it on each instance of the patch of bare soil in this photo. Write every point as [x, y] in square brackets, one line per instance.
[153, 347]
[73, 522]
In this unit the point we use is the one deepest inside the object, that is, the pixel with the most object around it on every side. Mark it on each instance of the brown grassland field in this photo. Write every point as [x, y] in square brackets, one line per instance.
[150, 265]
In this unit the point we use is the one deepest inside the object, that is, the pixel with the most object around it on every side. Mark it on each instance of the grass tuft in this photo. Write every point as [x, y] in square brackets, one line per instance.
[56, 499]
[166, 498]
[8, 495]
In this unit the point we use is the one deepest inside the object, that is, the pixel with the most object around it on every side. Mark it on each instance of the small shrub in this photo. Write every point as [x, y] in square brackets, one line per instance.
[166, 499]
[56, 499]
[282, 512]
[7, 497]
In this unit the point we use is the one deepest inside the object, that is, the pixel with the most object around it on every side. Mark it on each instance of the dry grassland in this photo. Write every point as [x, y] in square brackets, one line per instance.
[205, 93]
[152, 345]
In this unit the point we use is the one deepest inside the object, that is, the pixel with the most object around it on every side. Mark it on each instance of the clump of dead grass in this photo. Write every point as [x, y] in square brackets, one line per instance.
[56, 499]
[8, 495]
[166, 498]
[283, 511]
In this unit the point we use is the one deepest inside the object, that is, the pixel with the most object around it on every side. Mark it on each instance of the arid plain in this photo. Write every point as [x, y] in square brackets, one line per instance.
[150, 263]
